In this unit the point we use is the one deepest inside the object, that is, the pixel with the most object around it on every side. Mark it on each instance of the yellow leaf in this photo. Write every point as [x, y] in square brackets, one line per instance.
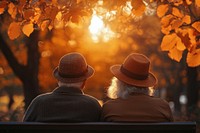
[138, 7]
[175, 54]
[179, 44]
[28, 29]
[168, 42]
[186, 19]
[176, 12]
[193, 59]
[14, 30]
[196, 25]
[162, 9]
[197, 2]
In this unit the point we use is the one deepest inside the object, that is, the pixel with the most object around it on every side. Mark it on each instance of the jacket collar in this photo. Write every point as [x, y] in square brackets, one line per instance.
[64, 89]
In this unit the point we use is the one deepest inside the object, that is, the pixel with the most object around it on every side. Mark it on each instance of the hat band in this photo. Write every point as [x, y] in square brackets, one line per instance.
[73, 75]
[132, 75]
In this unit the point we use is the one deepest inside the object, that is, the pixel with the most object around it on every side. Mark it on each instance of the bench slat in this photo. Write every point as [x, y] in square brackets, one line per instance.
[97, 127]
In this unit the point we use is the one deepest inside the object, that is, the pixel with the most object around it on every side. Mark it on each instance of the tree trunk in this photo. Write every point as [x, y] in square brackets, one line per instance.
[192, 88]
[30, 81]
[28, 73]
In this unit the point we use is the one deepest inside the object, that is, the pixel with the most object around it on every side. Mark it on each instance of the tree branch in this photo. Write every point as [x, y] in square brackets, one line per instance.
[18, 68]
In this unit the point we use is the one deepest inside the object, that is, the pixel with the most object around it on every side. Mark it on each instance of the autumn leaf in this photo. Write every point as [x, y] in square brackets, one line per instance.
[176, 12]
[28, 13]
[197, 2]
[176, 23]
[179, 44]
[166, 30]
[185, 39]
[14, 30]
[175, 54]
[186, 19]
[162, 9]
[1, 10]
[168, 42]
[28, 29]
[196, 25]
[3, 5]
[12, 10]
[75, 19]
[193, 59]
[177, 2]
[165, 21]
[189, 2]
[44, 24]
[138, 7]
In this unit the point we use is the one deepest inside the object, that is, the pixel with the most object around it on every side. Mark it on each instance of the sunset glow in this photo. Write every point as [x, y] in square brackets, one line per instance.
[99, 31]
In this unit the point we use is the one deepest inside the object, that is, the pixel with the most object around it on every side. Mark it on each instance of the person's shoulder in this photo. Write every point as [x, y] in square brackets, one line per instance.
[159, 100]
[89, 97]
[111, 102]
[41, 97]
[90, 100]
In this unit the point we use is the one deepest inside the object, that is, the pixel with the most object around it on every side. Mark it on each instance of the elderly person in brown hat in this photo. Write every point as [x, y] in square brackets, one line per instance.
[130, 94]
[66, 103]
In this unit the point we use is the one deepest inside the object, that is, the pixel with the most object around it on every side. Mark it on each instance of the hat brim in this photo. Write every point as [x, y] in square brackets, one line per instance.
[149, 82]
[87, 75]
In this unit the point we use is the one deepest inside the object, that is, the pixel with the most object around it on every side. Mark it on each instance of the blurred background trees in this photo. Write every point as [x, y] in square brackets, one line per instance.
[35, 34]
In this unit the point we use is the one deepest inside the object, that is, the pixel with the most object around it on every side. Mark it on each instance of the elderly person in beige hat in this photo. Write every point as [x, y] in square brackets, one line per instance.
[66, 103]
[130, 94]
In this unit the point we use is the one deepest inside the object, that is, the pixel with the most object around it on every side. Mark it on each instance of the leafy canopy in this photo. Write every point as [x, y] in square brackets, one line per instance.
[179, 19]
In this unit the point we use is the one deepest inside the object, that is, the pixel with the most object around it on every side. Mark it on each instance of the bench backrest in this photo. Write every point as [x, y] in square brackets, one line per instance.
[97, 127]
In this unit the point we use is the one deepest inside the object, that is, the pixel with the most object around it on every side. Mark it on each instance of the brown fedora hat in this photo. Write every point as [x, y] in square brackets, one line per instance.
[135, 71]
[73, 68]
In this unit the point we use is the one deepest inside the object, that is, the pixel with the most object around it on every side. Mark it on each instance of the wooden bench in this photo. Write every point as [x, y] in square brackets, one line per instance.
[97, 127]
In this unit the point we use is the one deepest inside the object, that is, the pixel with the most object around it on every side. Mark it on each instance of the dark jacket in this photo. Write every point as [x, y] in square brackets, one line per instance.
[137, 108]
[64, 104]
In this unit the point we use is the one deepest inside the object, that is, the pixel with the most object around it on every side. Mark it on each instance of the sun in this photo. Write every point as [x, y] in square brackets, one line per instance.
[99, 31]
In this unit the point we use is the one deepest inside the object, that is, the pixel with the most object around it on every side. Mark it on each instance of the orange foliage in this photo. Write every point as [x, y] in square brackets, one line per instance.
[179, 19]
[181, 28]
[14, 30]
[138, 7]
[27, 29]
[162, 9]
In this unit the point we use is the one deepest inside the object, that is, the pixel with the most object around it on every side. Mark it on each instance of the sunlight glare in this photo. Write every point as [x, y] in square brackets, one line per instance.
[96, 25]
[99, 31]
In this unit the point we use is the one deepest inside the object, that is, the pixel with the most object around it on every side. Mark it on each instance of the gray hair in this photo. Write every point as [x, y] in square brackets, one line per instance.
[119, 89]
[77, 85]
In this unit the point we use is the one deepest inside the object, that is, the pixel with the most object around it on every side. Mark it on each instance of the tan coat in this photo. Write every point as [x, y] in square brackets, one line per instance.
[137, 108]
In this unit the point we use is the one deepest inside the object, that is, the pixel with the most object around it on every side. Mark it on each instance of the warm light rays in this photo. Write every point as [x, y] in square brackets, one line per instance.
[99, 31]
